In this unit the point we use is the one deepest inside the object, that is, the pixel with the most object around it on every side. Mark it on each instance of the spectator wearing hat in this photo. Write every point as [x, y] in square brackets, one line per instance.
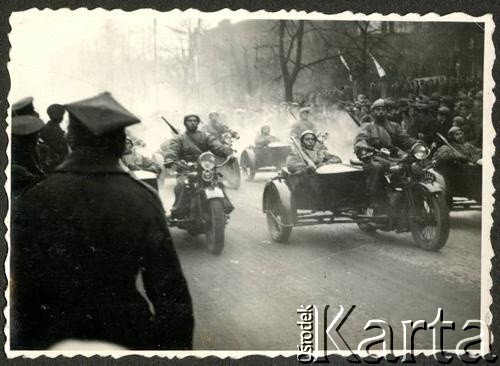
[304, 123]
[444, 122]
[26, 168]
[477, 116]
[470, 125]
[392, 111]
[423, 123]
[92, 257]
[53, 136]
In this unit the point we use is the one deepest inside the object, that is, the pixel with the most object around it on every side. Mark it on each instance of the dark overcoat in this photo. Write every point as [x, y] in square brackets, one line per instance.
[82, 240]
[53, 136]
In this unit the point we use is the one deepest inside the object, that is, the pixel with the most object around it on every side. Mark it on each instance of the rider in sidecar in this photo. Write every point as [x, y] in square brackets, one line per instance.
[460, 164]
[311, 156]
[379, 134]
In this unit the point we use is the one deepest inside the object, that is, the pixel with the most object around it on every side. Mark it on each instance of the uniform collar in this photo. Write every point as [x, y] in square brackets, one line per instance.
[90, 161]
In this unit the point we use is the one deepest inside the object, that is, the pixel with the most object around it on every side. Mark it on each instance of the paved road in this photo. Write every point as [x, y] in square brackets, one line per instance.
[246, 298]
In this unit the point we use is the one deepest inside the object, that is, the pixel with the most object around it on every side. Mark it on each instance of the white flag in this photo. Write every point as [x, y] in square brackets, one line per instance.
[346, 66]
[380, 70]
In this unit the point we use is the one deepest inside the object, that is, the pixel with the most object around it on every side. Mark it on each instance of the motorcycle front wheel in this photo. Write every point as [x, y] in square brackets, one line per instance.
[431, 226]
[277, 219]
[216, 226]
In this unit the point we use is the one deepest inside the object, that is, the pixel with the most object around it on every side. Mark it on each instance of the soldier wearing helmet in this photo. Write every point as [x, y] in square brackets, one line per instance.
[313, 156]
[459, 150]
[187, 147]
[216, 128]
[381, 133]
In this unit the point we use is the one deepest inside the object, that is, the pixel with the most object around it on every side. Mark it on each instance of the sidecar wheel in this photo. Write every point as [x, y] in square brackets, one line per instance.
[215, 233]
[431, 227]
[276, 214]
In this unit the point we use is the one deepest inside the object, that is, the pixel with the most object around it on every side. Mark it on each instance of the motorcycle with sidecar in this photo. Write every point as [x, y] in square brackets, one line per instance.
[463, 184]
[269, 158]
[336, 193]
[207, 206]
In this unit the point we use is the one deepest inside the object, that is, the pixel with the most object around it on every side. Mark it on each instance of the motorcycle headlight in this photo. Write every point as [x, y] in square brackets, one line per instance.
[207, 175]
[207, 160]
[419, 151]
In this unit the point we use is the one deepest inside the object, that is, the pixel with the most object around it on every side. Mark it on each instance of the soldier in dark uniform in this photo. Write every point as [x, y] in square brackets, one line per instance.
[53, 136]
[26, 168]
[216, 128]
[91, 255]
[188, 147]
[24, 107]
[382, 133]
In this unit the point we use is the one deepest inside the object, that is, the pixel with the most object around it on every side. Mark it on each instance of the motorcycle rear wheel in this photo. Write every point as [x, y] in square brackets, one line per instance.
[431, 228]
[216, 226]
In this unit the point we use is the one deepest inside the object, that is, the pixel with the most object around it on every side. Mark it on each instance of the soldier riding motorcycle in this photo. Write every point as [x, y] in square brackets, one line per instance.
[201, 205]
[399, 185]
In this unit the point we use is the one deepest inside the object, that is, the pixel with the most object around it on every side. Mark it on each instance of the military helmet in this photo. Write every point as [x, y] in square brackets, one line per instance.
[378, 103]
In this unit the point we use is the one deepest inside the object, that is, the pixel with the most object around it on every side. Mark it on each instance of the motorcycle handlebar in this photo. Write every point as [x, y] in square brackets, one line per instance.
[228, 159]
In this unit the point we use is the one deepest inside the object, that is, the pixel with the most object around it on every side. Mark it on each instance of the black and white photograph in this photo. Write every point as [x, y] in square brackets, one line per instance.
[237, 183]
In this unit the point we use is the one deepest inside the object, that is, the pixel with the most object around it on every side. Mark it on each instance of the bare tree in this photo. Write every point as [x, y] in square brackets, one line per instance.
[290, 53]
[183, 60]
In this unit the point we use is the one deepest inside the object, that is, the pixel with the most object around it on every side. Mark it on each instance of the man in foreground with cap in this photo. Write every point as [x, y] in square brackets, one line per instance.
[312, 158]
[382, 133]
[26, 168]
[53, 136]
[303, 124]
[91, 256]
[216, 128]
[187, 147]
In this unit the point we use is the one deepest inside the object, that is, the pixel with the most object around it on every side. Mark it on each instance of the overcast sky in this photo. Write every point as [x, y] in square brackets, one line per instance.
[49, 58]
